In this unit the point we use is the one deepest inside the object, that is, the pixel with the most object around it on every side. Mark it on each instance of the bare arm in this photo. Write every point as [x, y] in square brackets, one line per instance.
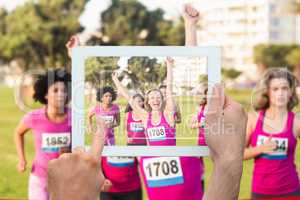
[178, 114]
[170, 105]
[142, 113]
[296, 127]
[71, 44]
[21, 130]
[117, 121]
[90, 122]
[191, 17]
[194, 124]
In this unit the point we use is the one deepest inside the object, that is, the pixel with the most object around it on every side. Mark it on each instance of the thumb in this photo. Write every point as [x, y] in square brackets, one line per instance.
[270, 138]
[216, 99]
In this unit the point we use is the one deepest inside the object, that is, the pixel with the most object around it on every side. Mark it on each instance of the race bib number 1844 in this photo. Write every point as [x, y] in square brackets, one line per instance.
[281, 147]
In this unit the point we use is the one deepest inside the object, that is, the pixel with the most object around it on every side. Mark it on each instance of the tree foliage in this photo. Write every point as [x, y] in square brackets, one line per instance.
[131, 23]
[145, 73]
[35, 33]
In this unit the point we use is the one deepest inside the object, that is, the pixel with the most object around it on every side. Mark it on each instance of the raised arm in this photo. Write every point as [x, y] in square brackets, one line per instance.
[90, 116]
[191, 17]
[72, 43]
[142, 113]
[170, 105]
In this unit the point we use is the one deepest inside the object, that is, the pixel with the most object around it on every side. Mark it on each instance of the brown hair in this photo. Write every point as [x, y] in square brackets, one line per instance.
[147, 106]
[262, 100]
[128, 107]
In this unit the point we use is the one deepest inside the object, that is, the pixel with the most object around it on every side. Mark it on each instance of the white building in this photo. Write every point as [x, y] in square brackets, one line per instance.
[186, 73]
[238, 25]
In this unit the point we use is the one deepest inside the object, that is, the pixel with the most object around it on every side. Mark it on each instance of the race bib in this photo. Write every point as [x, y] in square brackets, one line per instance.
[107, 118]
[118, 161]
[136, 127]
[52, 142]
[163, 171]
[156, 133]
[280, 152]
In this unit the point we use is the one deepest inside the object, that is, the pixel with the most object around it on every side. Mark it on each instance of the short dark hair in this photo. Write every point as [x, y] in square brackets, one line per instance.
[103, 90]
[128, 107]
[50, 77]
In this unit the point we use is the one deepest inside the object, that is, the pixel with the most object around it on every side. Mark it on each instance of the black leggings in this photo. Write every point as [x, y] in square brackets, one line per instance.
[133, 195]
[263, 196]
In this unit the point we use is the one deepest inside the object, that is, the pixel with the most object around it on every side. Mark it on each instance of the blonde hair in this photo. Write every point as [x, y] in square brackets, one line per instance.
[203, 99]
[262, 101]
[147, 106]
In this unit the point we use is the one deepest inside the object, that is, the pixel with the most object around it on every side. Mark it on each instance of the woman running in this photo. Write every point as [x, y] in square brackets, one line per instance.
[272, 137]
[50, 125]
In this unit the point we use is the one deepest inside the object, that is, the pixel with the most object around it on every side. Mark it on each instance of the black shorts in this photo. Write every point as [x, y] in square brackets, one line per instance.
[133, 195]
[263, 196]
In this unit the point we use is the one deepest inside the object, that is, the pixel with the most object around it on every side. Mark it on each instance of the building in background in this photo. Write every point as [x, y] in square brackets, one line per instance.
[238, 25]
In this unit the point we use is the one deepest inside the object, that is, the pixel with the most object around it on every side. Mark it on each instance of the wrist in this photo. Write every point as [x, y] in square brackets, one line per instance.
[190, 24]
[259, 150]
[22, 159]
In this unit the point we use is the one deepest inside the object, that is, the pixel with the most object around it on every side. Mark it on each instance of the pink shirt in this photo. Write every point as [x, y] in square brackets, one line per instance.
[135, 130]
[108, 116]
[201, 119]
[275, 173]
[122, 172]
[49, 137]
[173, 178]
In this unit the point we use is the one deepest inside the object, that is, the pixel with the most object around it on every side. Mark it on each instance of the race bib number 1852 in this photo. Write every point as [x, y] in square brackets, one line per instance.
[52, 142]
[163, 171]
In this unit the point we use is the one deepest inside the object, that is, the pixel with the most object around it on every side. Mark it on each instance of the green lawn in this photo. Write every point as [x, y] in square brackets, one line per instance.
[14, 184]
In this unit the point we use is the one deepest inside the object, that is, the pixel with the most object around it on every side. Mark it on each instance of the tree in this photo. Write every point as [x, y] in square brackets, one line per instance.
[202, 78]
[130, 23]
[3, 14]
[293, 58]
[260, 57]
[230, 73]
[296, 6]
[266, 56]
[35, 33]
[145, 73]
[98, 70]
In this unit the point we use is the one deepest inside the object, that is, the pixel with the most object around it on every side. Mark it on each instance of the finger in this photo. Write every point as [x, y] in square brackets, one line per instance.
[186, 7]
[220, 88]
[65, 156]
[215, 100]
[79, 150]
[98, 142]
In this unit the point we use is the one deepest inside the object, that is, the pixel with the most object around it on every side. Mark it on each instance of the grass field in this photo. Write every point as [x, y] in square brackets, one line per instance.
[14, 184]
